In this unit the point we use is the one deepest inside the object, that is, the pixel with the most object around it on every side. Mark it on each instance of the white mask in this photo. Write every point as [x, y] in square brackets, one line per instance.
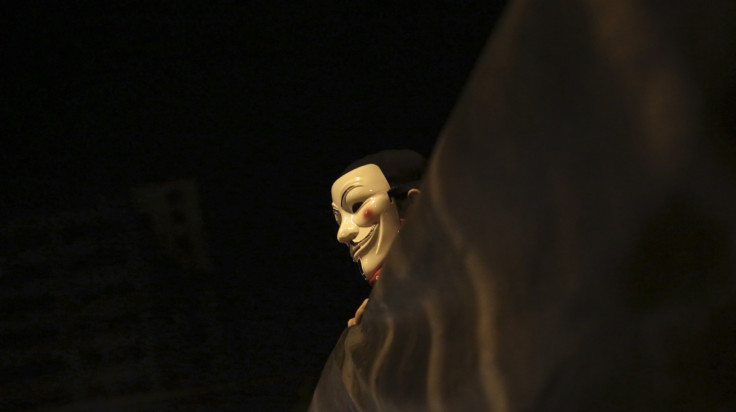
[368, 218]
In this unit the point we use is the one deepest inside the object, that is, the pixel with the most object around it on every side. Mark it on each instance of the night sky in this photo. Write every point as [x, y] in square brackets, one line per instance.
[263, 103]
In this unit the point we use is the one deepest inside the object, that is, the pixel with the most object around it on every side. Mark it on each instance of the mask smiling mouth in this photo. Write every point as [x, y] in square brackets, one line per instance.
[355, 247]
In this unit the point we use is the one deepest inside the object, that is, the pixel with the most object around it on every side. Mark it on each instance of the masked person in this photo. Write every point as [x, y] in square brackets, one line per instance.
[370, 202]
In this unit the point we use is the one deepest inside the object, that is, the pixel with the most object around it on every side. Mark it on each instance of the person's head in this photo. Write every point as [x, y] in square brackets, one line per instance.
[370, 201]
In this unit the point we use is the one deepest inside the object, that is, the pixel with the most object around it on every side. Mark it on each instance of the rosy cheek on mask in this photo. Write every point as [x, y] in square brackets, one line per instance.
[371, 210]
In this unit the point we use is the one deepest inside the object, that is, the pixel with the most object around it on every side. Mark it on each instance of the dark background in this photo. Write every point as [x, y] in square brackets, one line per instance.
[263, 104]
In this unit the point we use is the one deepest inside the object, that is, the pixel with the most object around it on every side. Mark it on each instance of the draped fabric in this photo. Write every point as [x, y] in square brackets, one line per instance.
[573, 248]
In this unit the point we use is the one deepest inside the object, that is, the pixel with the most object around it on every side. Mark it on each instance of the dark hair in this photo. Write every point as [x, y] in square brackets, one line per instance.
[402, 168]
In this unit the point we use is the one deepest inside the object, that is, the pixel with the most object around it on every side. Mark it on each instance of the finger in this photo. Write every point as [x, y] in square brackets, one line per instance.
[359, 312]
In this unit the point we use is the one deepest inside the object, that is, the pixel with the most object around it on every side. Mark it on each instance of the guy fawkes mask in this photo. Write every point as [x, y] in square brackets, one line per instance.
[367, 217]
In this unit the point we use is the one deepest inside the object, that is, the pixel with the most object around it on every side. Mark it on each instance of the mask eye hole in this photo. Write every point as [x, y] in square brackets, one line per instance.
[356, 206]
[337, 215]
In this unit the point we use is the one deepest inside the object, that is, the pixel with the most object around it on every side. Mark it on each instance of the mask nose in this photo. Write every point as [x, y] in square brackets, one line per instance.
[347, 231]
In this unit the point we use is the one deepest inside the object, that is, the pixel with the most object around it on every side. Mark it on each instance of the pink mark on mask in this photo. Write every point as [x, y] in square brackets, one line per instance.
[367, 214]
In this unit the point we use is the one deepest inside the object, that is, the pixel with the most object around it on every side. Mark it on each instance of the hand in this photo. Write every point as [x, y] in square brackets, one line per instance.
[358, 314]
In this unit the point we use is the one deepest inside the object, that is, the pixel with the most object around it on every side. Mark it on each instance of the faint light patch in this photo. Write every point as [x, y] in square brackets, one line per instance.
[650, 76]
[381, 356]
[436, 355]
[492, 382]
